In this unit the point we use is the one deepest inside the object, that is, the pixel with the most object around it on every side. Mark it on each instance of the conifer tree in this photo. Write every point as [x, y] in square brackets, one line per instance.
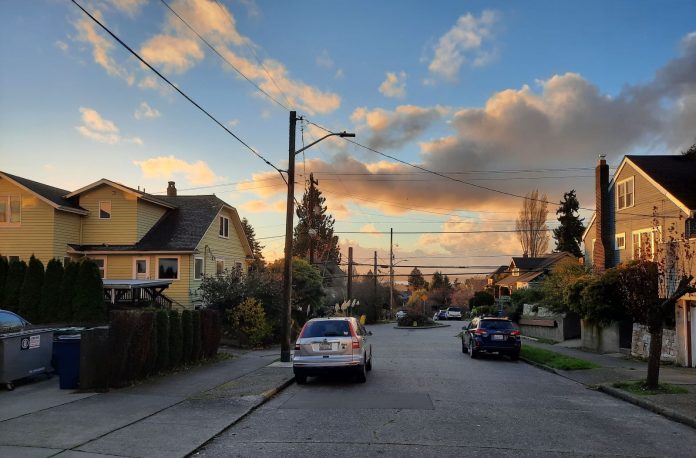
[65, 310]
[89, 306]
[13, 284]
[312, 215]
[4, 267]
[256, 248]
[30, 294]
[569, 234]
[50, 293]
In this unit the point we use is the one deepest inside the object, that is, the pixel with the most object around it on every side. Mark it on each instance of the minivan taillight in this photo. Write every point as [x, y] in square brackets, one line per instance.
[356, 344]
[515, 333]
[297, 346]
[480, 332]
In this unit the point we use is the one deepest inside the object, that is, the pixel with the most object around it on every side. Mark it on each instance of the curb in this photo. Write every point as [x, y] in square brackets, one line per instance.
[644, 403]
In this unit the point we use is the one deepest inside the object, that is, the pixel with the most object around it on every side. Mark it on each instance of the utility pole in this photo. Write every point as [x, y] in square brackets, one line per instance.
[391, 270]
[350, 272]
[287, 268]
[375, 280]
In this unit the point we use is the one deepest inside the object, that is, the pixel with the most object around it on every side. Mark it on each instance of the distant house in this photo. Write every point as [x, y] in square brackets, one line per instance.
[525, 272]
[623, 228]
[131, 235]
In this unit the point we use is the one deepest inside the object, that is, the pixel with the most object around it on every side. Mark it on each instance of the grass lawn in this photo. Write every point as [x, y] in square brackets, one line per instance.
[555, 360]
[639, 389]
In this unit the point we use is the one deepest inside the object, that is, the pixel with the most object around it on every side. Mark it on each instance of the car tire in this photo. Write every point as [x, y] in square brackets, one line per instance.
[301, 379]
[464, 349]
[473, 353]
[515, 355]
[368, 366]
[361, 376]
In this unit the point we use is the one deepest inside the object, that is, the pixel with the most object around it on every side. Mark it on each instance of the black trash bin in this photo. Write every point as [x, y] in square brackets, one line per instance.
[66, 350]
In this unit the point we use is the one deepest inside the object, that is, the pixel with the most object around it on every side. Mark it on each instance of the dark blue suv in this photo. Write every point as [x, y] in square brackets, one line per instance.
[491, 335]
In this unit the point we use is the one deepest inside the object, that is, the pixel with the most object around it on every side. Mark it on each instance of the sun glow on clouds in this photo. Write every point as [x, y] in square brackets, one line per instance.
[394, 85]
[101, 130]
[166, 167]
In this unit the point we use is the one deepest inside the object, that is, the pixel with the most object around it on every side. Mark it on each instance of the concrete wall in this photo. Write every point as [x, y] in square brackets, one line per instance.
[566, 326]
[640, 344]
[600, 339]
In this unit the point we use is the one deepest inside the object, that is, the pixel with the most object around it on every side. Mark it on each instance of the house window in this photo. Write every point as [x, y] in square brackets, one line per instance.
[624, 194]
[101, 263]
[224, 227]
[643, 244]
[516, 272]
[238, 265]
[620, 241]
[220, 267]
[198, 268]
[168, 268]
[690, 230]
[10, 210]
[13, 258]
[66, 260]
[140, 267]
[104, 209]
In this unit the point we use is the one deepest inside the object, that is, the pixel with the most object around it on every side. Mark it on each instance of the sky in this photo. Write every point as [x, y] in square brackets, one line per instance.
[497, 97]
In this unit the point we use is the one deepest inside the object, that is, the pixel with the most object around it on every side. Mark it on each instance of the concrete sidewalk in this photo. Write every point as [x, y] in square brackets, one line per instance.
[165, 416]
[617, 367]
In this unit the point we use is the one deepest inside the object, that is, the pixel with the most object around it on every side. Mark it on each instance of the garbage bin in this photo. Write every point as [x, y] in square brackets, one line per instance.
[25, 353]
[66, 352]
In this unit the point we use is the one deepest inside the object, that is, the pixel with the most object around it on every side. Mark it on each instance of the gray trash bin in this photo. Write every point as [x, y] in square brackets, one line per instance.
[25, 353]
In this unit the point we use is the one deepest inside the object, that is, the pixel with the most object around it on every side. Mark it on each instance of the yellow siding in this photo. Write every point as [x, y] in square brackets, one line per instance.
[34, 235]
[66, 230]
[148, 215]
[120, 229]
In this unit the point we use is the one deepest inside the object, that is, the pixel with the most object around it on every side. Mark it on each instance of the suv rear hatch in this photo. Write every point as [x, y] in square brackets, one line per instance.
[326, 338]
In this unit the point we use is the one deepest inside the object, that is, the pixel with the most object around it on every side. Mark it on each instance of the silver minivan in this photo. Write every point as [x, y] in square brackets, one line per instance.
[332, 345]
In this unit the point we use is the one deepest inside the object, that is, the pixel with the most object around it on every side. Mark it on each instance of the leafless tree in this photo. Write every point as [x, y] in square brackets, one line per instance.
[531, 224]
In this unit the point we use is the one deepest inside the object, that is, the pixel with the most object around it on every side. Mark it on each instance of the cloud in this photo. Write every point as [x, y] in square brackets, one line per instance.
[471, 242]
[63, 46]
[101, 130]
[94, 121]
[394, 85]
[145, 111]
[339, 75]
[251, 7]
[232, 123]
[393, 129]
[173, 54]
[372, 230]
[101, 48]
[465, 40]
[262, 206]
[166, 167]
[130, 7]
[323, 60]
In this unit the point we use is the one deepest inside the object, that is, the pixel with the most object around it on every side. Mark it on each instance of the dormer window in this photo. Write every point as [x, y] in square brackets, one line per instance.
[624, 194]
[516, 272]
[104, 209]
[224, 227]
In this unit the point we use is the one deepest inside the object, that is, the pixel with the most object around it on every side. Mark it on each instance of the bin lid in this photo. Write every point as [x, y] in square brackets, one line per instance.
[70, 337]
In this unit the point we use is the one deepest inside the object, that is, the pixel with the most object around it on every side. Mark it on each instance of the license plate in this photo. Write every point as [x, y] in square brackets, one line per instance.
[498, 337]
[325, 346]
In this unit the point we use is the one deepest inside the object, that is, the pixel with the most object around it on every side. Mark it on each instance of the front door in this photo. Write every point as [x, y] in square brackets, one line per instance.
[142, 268]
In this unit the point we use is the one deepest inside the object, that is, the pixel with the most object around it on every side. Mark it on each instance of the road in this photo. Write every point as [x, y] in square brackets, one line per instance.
[425, 398]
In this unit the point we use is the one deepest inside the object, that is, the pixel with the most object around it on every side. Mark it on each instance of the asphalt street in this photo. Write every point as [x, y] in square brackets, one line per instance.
[425, 397]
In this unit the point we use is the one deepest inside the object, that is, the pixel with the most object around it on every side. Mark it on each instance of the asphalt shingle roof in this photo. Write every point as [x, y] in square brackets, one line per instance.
[675, 173]
[51, 193]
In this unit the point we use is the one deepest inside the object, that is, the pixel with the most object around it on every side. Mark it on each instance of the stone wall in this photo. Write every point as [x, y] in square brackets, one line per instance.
[640, 343]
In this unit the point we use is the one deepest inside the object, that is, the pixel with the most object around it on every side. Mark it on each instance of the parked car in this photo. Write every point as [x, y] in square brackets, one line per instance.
[400, 314]
[441, 315]
[491, 335]
[454, 313]
[327, 345]
[11, 322]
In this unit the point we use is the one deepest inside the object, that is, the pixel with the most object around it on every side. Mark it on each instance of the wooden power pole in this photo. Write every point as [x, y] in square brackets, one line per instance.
[287, 267]
[350, 272]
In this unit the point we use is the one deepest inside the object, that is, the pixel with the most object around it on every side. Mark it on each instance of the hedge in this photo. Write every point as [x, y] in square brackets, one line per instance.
[211, 332]
[162, 320]
[50, 292]
[175, 339]
[187, 336]
[30, 293]
[197, 345]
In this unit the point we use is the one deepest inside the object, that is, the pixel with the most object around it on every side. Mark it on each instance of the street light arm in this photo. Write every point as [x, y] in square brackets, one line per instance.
[340, 134]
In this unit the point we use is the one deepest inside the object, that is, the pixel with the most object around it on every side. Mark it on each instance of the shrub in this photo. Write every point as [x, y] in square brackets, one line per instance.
[162, 320]
[484, 310]
[139, 349]
[13, 284]
[415, 317]
[4, 267]
[64, 313]
[121, 329]
[50, 292]
[30, 294]
[89, 305]
[186, 336]
[151, 362]
[248, 322]
[197, 345]
[175, 339]
[481, 298]
[211, 332]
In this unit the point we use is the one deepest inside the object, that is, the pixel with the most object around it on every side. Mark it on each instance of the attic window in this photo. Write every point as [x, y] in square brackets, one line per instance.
[224, 227]
[104, 209]
[690, 231]
[10, 210]
[516, 272]
[624, 194]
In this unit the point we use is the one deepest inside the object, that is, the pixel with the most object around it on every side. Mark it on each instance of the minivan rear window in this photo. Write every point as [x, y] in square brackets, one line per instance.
[496, 324]
[454, 309]
[329, 328]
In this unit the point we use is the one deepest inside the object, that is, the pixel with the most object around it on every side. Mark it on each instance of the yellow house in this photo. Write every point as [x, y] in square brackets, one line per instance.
[131, 235]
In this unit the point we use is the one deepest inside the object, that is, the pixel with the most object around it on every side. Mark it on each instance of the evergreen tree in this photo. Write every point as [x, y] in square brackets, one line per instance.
[569, 234]
[416, 280]
[175, 339]
[312, 215]
[256, 248]
[162, 322]
[13, 284]
[4, 267]
[50, 293]
[30, 294]
[89, 306]
[64, 314]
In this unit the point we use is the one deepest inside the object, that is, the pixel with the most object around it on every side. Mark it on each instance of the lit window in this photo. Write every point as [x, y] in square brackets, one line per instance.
[224, 227]
[624, 194]
[643, 244]
[219, 267]
[105, 209]
[168, 268]
[515, 272]
[198, 268]
[620, 241]
[10, 210]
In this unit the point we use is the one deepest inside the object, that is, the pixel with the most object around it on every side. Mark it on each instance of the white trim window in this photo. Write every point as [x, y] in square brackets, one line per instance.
[100, 261]
[219, 267]
[198, 267]
[625, 193]
[643, 244]
[516, 272]
[168, 268]
[620, 241]
[104, 209]
[10, 210]
[224, 231]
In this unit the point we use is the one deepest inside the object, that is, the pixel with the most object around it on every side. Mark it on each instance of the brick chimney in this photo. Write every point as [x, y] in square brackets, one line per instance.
[603, 248]
[171, 190]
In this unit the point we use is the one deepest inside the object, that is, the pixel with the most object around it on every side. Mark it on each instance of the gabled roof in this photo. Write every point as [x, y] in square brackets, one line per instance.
[674, 175]
[140, 194]
[55, 197]
[498, 271]
[539, 263]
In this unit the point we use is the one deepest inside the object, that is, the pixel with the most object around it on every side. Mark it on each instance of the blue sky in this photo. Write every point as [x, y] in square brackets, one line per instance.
[465, 86]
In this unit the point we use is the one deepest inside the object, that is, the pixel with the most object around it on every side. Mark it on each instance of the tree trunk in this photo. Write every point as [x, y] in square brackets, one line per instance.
[653, 377]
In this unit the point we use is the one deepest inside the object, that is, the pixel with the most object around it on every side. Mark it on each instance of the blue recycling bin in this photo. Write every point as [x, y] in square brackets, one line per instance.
[66, 351]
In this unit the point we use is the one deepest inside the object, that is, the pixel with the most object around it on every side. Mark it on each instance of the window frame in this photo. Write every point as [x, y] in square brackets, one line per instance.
[652, 231]
[202, 259]
[8, 210]
[178, 267]
[624, 183]
[224, 227]
[101, 269]
[219, 272]
[616, 241]
[100, 209]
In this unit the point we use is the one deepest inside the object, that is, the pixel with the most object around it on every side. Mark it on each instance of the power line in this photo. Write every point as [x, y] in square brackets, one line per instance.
[147, 64]
[445, 232]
